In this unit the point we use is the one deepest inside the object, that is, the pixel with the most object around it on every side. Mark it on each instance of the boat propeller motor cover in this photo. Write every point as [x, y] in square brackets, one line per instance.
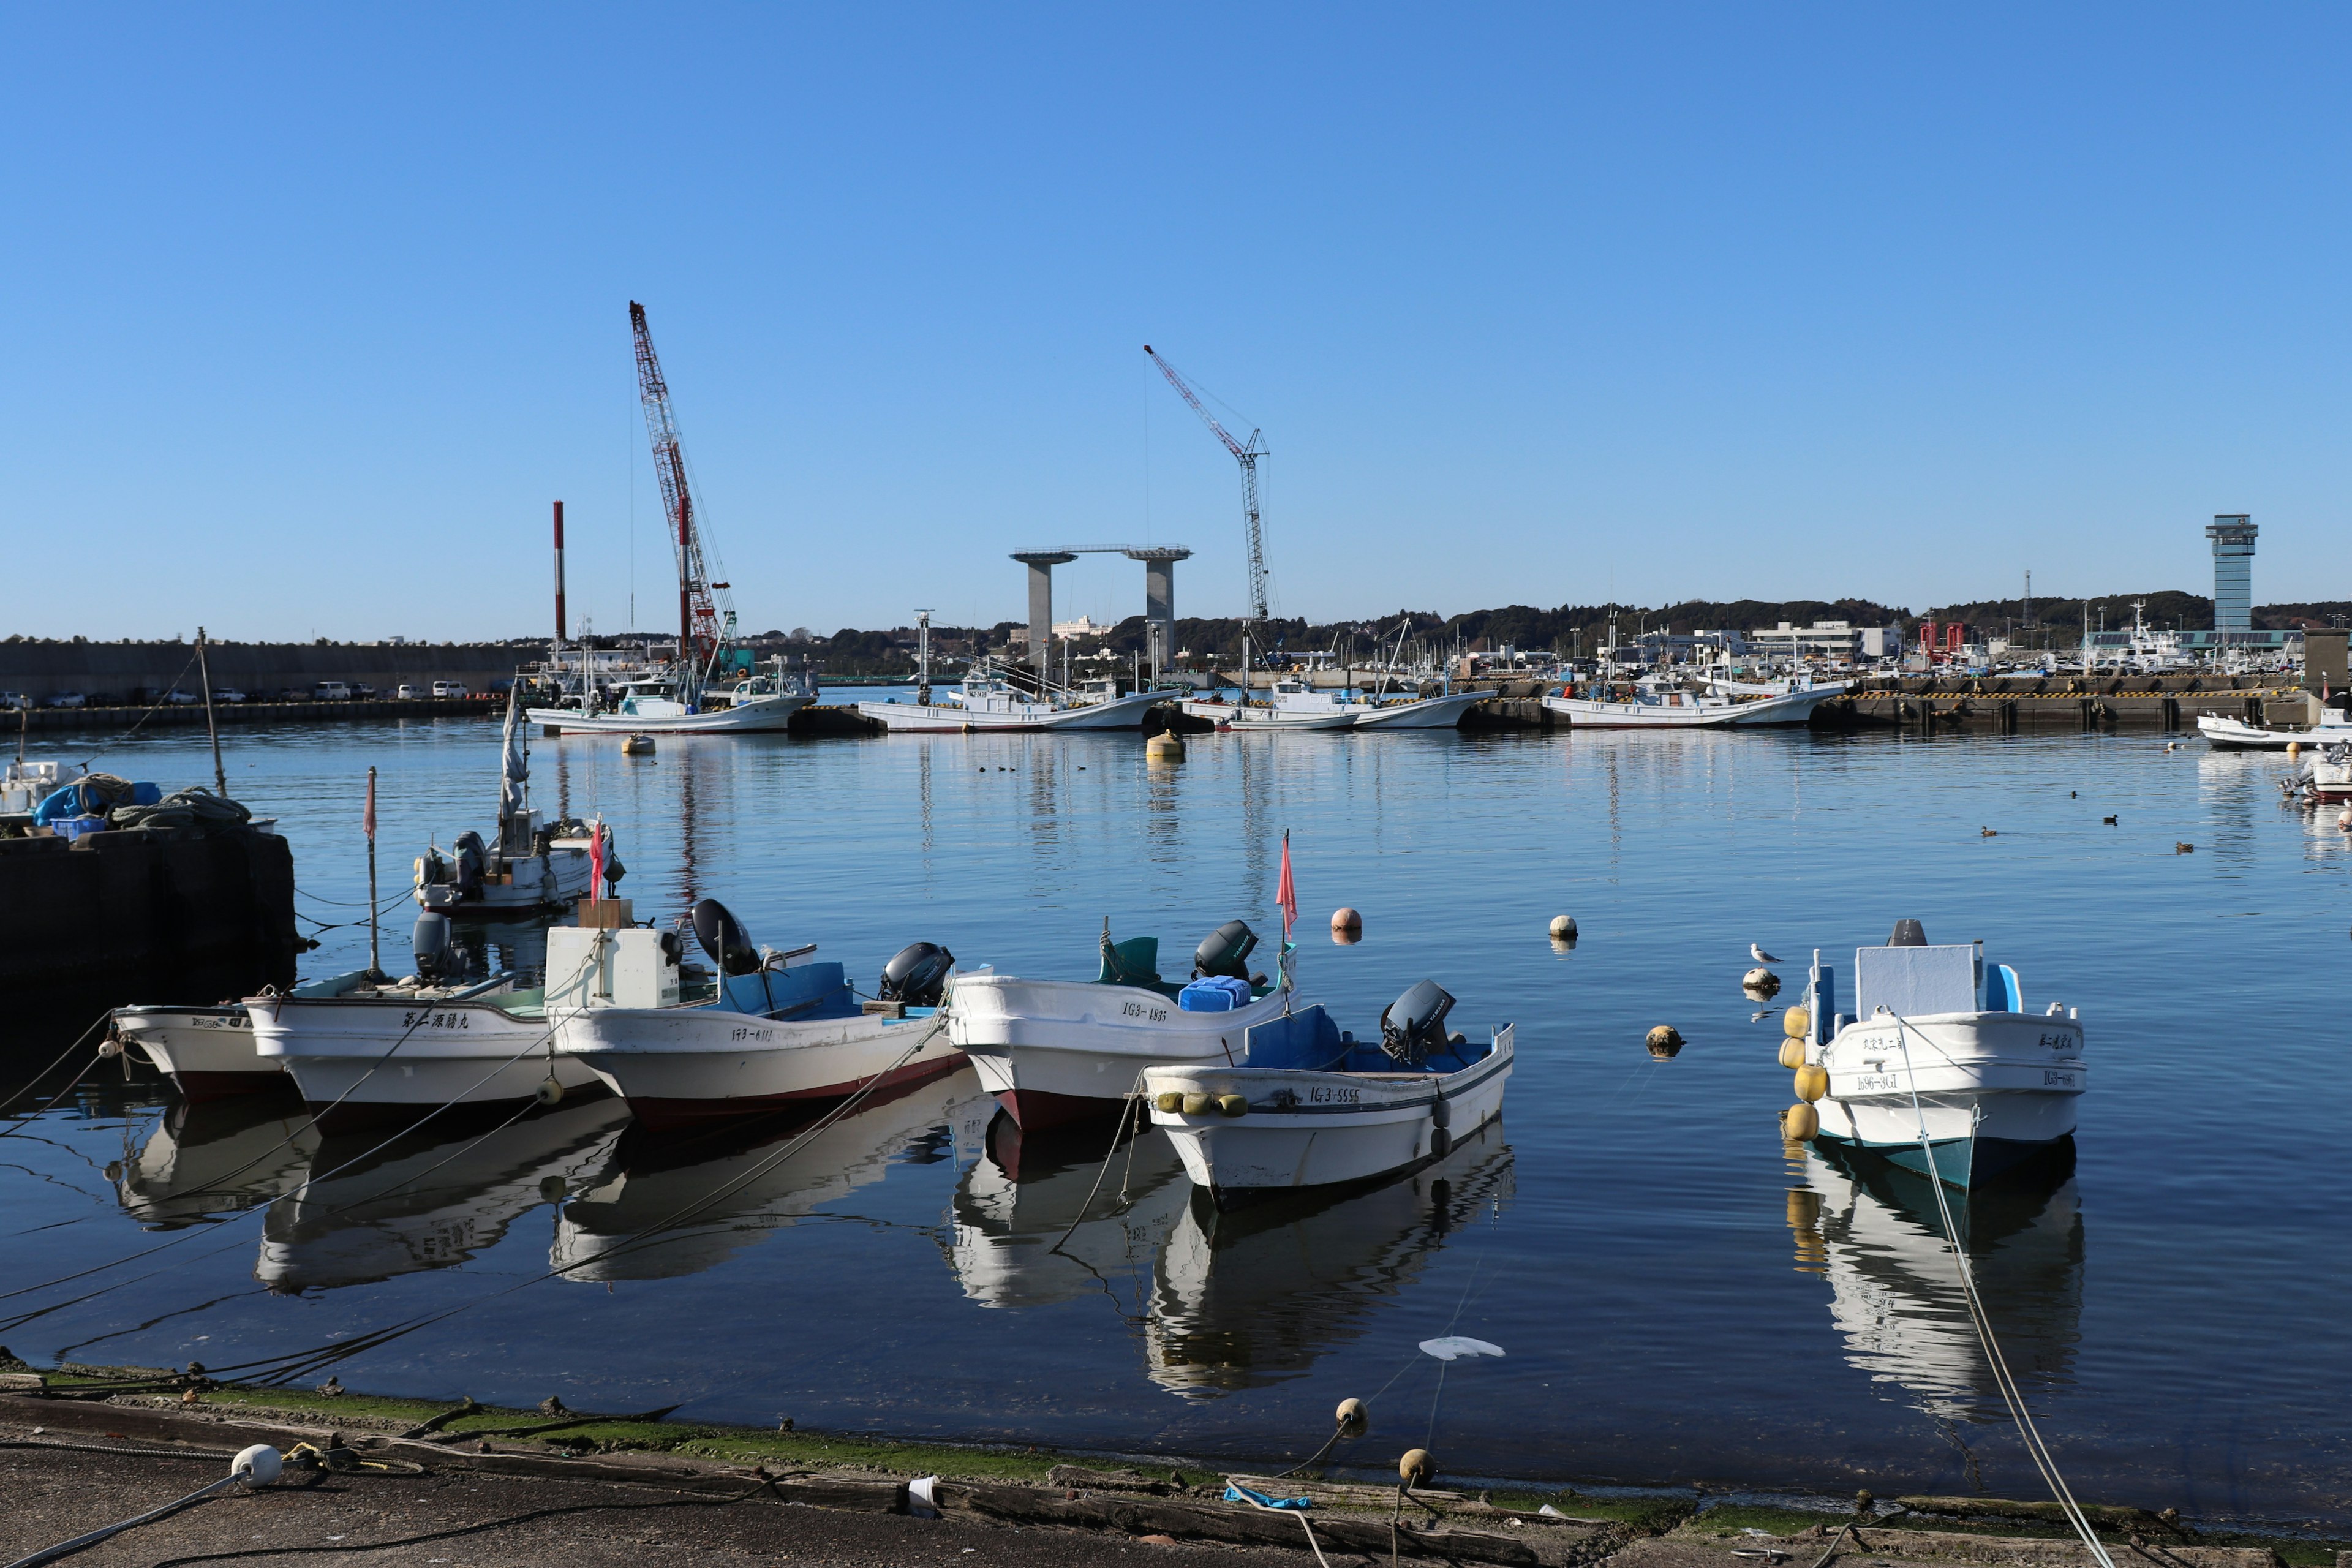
[470, 852]
[1226, 951]
[431, 942]
[1908, 933]
[722, 938]
[1414, 1023]
[918, 975]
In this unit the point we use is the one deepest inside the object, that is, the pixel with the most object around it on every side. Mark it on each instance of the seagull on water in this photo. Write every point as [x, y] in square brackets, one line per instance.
[1759, 955]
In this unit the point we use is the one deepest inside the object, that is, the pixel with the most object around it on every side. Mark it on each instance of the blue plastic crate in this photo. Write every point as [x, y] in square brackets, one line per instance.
[75, 826]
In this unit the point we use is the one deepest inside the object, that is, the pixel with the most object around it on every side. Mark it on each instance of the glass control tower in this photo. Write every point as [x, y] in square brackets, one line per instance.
[2232, 535]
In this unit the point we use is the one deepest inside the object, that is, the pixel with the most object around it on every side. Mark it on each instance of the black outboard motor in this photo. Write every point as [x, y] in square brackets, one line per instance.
[918, 975]
[1414, 1023]
[722, 938]
[434, 961]
[471, 858]
[1226, 951]
[1908, 933]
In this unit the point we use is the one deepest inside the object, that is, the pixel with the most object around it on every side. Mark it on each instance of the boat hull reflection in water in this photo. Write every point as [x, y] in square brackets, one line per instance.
[213, 1157]
[1254, 1296]
[1032, 1190]
[1873, 1227]
[675, 1204]
[431, 1198]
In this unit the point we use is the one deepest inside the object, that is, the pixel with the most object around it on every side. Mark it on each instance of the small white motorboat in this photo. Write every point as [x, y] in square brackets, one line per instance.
[530, 864]
[1309, 1106]
[665, 704]
[2334, 727]
[1294, 705]
[758, 1030]
[385, 1049]
[1062, 1050]
[987, 701]
[208, 1052]
[1642, 706]
[1942, 1070]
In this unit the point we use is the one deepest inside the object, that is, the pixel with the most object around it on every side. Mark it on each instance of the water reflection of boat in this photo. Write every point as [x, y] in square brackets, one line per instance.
[1896, 1298]
[1254, 1296]
[1015, 1203]
[430, 1198]
[659, 1175]
[218, 1156]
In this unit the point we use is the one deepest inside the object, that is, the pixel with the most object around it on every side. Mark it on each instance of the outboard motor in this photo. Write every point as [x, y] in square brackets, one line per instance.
[1226, 951]
[431, 942]
[722, 938]
[1414, 1023]
[918, 975]
[471, 858]
[1908, 933]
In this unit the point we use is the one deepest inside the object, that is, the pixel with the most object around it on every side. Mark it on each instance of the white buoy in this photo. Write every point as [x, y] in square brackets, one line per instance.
[1563, 928]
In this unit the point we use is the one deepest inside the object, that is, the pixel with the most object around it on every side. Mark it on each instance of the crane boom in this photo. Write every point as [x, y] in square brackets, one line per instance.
[1246, 456]
[698, 614]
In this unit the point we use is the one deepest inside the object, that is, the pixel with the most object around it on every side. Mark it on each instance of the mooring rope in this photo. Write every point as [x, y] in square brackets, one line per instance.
[35, 1080]
[2010, 1394]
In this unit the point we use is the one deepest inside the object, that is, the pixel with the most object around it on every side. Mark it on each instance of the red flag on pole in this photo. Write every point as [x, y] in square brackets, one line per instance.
[1285, 893]
[597, 862]
[367, 819]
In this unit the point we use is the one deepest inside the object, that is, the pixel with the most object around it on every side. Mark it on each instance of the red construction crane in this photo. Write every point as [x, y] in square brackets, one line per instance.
[698, 613]
[1246, 456]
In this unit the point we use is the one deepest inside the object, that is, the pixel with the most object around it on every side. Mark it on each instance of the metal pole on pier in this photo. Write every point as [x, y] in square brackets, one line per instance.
[205, 674]
[375, 966]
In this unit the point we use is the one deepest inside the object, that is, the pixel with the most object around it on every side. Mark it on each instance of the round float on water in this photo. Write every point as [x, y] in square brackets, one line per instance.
[1663, 1041]
[637, 746]
[1563, 928]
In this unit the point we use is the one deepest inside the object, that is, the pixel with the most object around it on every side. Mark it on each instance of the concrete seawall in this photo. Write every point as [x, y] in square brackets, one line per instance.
[38, 720]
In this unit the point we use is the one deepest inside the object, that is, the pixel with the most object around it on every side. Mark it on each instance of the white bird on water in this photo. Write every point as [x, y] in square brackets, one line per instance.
[1759, 955]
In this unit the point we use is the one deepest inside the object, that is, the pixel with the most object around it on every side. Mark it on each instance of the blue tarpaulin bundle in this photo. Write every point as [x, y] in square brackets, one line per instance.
[91, 794]
[1244, 1494]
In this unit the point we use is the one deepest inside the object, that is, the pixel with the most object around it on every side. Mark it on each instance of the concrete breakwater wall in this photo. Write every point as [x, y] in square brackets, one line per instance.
[119, 669]
[38, 720]
[166, 915]
[2064, 703]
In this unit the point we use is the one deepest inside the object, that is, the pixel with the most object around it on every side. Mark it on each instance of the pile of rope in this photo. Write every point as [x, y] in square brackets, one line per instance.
[195, 806]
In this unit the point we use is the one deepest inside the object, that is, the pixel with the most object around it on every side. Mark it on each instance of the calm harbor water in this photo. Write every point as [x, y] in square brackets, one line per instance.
[1680, 1299]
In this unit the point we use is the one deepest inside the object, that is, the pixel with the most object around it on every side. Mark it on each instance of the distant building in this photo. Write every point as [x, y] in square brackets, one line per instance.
[2232, 535]
[1084, 627]
[1827, 639]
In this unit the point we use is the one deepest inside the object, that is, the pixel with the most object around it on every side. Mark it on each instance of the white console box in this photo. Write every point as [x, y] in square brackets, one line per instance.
[627, 967]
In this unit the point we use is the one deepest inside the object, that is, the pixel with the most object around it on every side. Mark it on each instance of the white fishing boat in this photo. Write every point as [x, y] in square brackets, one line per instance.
[529, 863]
[1657, 706]
[664, 704]
[1440, 712]
[1062, 1050]
[1941, 1068]
[384, 1050]
[987, 701]
[756, 1031]
[1307, 1105]
[1294, 705]
[2328, 776]
[208, 1052]
[2335, 726]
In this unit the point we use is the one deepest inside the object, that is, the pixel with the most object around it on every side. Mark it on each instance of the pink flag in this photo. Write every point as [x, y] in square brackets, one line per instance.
[367, 819]
[1285, 893]
[597, 862]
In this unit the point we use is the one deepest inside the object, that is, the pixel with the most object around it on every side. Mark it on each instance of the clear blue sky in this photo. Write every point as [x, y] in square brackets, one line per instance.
[312, 311]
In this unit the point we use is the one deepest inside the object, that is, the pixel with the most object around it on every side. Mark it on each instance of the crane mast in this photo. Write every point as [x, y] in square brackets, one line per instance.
[698, 613]
[1248, 457]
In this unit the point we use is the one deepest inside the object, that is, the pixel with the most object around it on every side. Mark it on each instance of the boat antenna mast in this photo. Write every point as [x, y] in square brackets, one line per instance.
[1248, 457]
[699, 629]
